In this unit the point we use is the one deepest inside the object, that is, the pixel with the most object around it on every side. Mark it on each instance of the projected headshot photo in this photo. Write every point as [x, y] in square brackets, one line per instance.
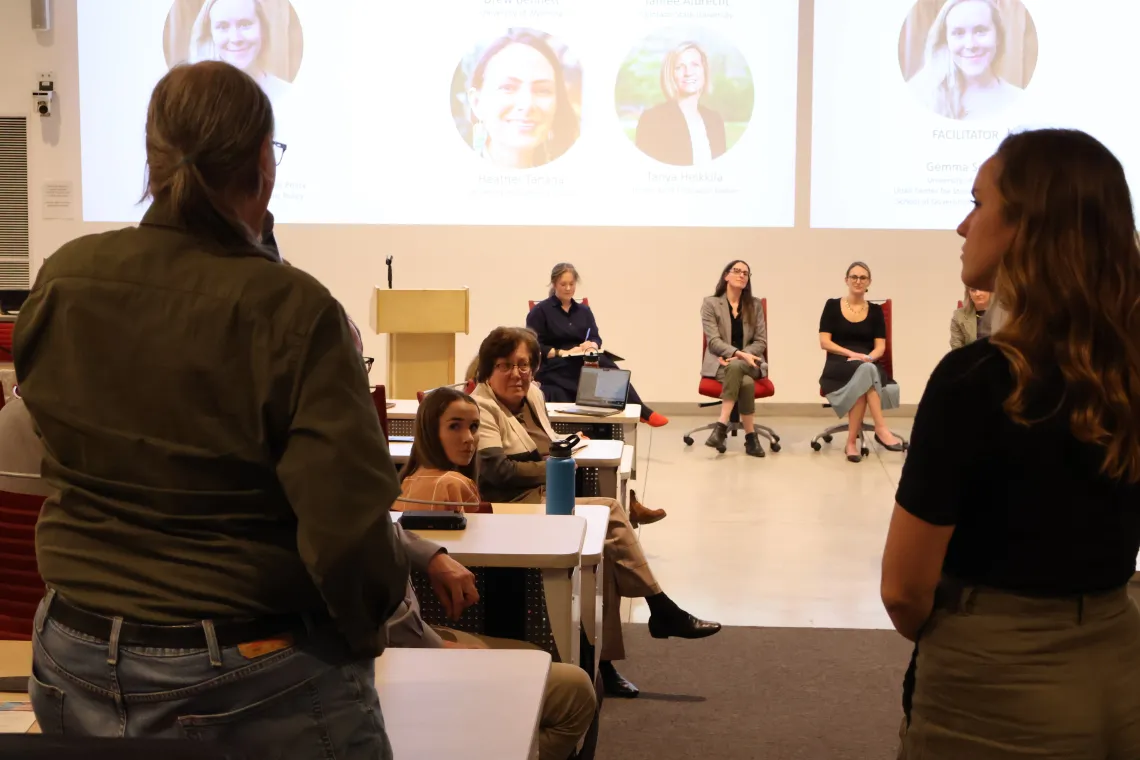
[684, 96]
[968, 59]
[516, 99]
[261, 37]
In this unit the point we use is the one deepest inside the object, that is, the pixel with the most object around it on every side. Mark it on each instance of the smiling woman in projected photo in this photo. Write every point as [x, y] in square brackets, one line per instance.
[520, 111]
[681, 131]
[684, 96]
[977, 58]
[238, 32]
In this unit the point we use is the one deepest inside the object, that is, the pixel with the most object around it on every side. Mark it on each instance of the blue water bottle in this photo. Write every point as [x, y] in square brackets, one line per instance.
[560, 466]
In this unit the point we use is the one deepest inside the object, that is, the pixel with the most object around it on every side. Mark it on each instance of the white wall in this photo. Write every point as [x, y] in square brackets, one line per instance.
[645, 285]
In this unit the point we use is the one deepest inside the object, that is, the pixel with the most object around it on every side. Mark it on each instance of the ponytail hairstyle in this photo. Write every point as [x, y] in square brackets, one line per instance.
[559, 270]
[206, 128]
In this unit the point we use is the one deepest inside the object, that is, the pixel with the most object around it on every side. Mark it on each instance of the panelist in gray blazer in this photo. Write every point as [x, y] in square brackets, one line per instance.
[736, 337]
[969, 323]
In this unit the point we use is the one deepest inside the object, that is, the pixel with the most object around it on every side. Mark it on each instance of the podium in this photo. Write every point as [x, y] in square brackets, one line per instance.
[421, 326]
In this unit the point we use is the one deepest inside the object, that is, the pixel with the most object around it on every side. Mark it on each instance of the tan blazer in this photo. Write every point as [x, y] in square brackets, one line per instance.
[509, 462]
[716, 319]
[963, 327]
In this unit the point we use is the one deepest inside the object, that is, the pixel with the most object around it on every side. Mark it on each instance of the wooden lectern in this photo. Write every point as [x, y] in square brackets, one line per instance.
[421, 326]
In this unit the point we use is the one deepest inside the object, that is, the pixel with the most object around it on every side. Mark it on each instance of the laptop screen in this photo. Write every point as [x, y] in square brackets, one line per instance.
[606, 388]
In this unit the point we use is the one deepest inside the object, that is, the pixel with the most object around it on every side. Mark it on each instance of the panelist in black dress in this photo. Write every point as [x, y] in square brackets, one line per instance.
[853, 332]
[563, 325]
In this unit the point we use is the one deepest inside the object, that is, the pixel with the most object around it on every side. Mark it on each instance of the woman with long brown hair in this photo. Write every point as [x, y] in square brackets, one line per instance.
[736, 338]
[441, 467]
[1017, 518]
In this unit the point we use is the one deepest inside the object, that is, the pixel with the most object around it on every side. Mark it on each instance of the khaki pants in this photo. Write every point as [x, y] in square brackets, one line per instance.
[998, 677]
[625, 573]
[738, 387]
[568, 706]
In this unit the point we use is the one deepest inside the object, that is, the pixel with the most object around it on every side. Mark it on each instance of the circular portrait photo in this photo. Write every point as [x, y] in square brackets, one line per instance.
[684, 96]
[968, 59]
[516, 99]
[261, 37]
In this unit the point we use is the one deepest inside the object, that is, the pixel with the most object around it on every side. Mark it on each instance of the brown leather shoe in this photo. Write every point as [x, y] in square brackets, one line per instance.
[639, 514]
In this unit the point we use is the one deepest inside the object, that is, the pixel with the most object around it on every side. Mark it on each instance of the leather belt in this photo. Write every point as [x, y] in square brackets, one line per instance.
[189, 636]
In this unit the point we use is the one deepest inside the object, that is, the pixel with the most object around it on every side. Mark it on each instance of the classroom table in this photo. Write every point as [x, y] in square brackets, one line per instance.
[489, 701]
[604, 456]
[593, 547]
[449, 704]
[403, 412]
[550, 543]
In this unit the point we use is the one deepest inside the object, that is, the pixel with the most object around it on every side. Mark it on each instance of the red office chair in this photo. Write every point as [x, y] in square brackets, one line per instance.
[6, 329]
[21, 586]
[712, 388]
[887, 362]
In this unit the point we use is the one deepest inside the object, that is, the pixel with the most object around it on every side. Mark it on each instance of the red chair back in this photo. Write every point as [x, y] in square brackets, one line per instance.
[21, 586]
[6, 329]
[530, 304]
[380, 401]
[887, 361]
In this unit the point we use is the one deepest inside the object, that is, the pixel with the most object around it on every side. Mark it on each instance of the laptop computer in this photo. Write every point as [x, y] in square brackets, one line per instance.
[601, 392]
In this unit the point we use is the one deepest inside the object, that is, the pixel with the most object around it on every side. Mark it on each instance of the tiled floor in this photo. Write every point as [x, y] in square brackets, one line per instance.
[791, 540]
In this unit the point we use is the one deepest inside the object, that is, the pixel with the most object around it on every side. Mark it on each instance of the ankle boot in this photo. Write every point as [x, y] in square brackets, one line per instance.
[752, 445]
[717, 437]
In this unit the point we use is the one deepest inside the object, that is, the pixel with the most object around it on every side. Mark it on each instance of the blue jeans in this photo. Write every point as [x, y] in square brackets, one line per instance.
[308, 701]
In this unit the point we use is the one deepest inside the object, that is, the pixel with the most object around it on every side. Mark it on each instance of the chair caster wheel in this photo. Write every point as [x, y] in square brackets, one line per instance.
[721, 449]
[816, 445]
[688, 440]
[775, 438]
[775, 447]
[866, 451]
[826, 439]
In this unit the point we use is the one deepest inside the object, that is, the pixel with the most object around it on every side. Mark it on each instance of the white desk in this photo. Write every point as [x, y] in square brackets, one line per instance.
[604, 455]
[438, 704]
[597, 526]
[444, 704]
[550, 543]
[405, 409]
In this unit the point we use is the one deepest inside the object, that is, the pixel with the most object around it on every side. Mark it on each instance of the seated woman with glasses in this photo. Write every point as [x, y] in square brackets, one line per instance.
[853, 332]
[736, 337]
[566, 330]
[514, 439]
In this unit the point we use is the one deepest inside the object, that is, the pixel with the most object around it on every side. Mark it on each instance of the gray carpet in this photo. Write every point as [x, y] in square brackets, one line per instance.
[765, 693]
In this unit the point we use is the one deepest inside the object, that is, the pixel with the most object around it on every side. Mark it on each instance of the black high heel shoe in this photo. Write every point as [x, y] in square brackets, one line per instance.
[855, 458]
[900, 446]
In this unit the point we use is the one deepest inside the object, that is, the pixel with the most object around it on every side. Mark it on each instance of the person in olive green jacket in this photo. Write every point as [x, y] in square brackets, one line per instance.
[220, 557]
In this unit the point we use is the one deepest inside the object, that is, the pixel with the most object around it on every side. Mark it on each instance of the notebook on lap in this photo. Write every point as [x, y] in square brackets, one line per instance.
[601, 392]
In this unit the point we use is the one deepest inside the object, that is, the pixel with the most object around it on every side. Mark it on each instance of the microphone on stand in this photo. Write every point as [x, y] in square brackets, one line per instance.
[388, 261]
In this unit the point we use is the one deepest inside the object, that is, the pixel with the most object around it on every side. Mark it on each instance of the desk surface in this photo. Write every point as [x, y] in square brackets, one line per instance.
[519, 540]
[405, 409]
[441, 704]
[597, 524]
[593, 454]
[486, 701]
